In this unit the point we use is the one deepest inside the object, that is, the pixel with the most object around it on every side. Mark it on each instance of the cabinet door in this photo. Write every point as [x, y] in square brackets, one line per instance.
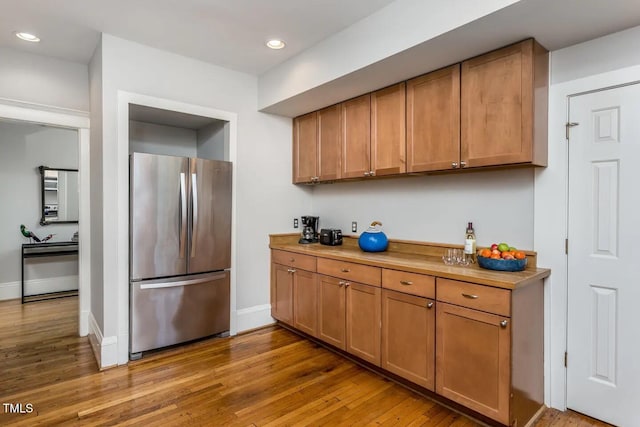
[305, 148]
[305, 307]
[433, 121]
[408, 337]
[497, 107]
[356, 137]
[363, 322]
[282, 293]
[329, 143]
[473, 359]
[331, 319]
[388, 141]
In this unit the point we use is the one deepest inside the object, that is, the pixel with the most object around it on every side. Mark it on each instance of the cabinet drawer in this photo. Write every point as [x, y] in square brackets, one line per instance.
[292, 259]
[350, 271]
[478, 297]
[410, 283]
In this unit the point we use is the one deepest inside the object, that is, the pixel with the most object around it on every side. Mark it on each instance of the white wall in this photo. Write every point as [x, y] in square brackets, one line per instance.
[600, 63]
[266, 201]
[213, 141]
[43, 80]
[435, 208]
[401, 25]
[165, 140]
[24, 147]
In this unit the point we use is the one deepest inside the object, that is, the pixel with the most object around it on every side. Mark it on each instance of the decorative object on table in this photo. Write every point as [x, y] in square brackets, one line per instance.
[29, 234]
[373, 239]
[47, 238]
[502, 257]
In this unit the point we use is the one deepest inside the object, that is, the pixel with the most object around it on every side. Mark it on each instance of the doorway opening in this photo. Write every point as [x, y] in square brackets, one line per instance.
[37, 125]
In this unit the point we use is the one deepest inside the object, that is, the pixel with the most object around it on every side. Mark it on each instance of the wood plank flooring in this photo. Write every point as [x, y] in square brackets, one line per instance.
[269, 377]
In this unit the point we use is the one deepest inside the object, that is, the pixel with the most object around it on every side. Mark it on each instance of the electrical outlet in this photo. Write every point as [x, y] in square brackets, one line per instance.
[295, 222]
[354, 226]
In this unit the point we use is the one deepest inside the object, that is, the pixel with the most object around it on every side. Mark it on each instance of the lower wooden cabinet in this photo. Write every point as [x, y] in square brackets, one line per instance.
[473, 363]
[363, 321]
[477, 345]
[349, 317]
[408, 337]
[282, 293]
[331, 312]
[305, 302]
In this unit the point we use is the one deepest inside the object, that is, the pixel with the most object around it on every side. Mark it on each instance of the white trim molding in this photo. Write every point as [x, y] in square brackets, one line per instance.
[105, 349]
[12, 290]
[73, 119]
[122, 184]
[254, 317]
[550, 224]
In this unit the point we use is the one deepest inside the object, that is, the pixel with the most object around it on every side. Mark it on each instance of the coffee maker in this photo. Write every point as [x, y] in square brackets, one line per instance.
[309, 229]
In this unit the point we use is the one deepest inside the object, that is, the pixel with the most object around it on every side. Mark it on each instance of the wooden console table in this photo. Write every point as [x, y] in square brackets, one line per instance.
[39, 250]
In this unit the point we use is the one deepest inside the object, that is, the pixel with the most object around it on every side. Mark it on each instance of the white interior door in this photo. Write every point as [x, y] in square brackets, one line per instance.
[603, 370]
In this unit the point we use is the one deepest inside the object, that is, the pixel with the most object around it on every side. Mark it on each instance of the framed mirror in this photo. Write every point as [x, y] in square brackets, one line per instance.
[60, 196]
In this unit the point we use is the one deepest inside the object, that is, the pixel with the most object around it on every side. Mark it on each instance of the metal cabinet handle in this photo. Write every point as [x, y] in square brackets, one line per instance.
[454, 165]
[504, 323]
[463, 164]
[430, 305]
[470, 296]
[194, 213]
[345, 270]
[291, 270]
[367, 173]
[347, 284]
[406, 282]
[292, 260]
[372, 173]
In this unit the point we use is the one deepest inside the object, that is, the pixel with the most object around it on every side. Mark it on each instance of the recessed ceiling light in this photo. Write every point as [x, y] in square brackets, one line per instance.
[275, 44]
[27, 37]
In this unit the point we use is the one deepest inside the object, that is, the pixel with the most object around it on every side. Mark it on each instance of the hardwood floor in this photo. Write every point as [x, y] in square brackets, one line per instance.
[269, 377]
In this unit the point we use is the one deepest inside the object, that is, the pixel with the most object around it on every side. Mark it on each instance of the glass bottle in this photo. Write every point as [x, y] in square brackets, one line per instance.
[470, 243]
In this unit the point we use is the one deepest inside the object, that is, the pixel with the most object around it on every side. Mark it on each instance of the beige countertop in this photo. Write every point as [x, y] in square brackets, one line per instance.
[417, 263]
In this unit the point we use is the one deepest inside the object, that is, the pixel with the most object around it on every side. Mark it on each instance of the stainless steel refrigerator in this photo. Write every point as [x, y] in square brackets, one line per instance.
[180, 250]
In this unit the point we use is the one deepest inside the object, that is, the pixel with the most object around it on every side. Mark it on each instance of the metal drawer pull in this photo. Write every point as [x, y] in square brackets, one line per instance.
[291, 270]
[345, 270]
[406, 282]
[470, 296]
[429, 305]
[504, 323]
[292, 260]
[343, 283]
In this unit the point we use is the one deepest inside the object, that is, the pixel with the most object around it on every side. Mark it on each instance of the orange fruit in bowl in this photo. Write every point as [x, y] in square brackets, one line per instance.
[495, 256]
[485, 253]
[520, 255]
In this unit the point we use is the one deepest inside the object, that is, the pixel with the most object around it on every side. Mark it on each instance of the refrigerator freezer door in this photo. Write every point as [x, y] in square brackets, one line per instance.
[210, 219]
[159, 190]
[167, 312]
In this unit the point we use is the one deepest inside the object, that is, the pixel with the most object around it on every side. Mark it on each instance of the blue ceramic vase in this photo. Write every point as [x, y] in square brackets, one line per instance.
[373, 240]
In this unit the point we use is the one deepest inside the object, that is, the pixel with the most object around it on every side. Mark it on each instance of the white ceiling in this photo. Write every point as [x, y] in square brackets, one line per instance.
[229, 33]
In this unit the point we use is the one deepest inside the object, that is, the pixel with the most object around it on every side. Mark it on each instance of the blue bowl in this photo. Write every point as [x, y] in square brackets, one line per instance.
[502, 264]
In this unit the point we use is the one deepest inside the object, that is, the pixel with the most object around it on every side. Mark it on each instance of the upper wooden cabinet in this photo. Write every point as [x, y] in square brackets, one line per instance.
[490, 110]
[373, 134]
[329, 143]
[317, 141]
[504, 101]
[356, 137]
[433, 121]
[388, 140]
[305, 148]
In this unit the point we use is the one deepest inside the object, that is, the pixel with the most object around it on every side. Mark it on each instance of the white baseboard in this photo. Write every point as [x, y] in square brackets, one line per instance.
[12, 290]
[84, 323]
[105, 349]
[254, 317]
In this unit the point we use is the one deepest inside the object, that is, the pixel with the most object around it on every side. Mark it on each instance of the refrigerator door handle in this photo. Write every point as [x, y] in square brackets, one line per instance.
[194, 213]
[183, 214]
[182, 282]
